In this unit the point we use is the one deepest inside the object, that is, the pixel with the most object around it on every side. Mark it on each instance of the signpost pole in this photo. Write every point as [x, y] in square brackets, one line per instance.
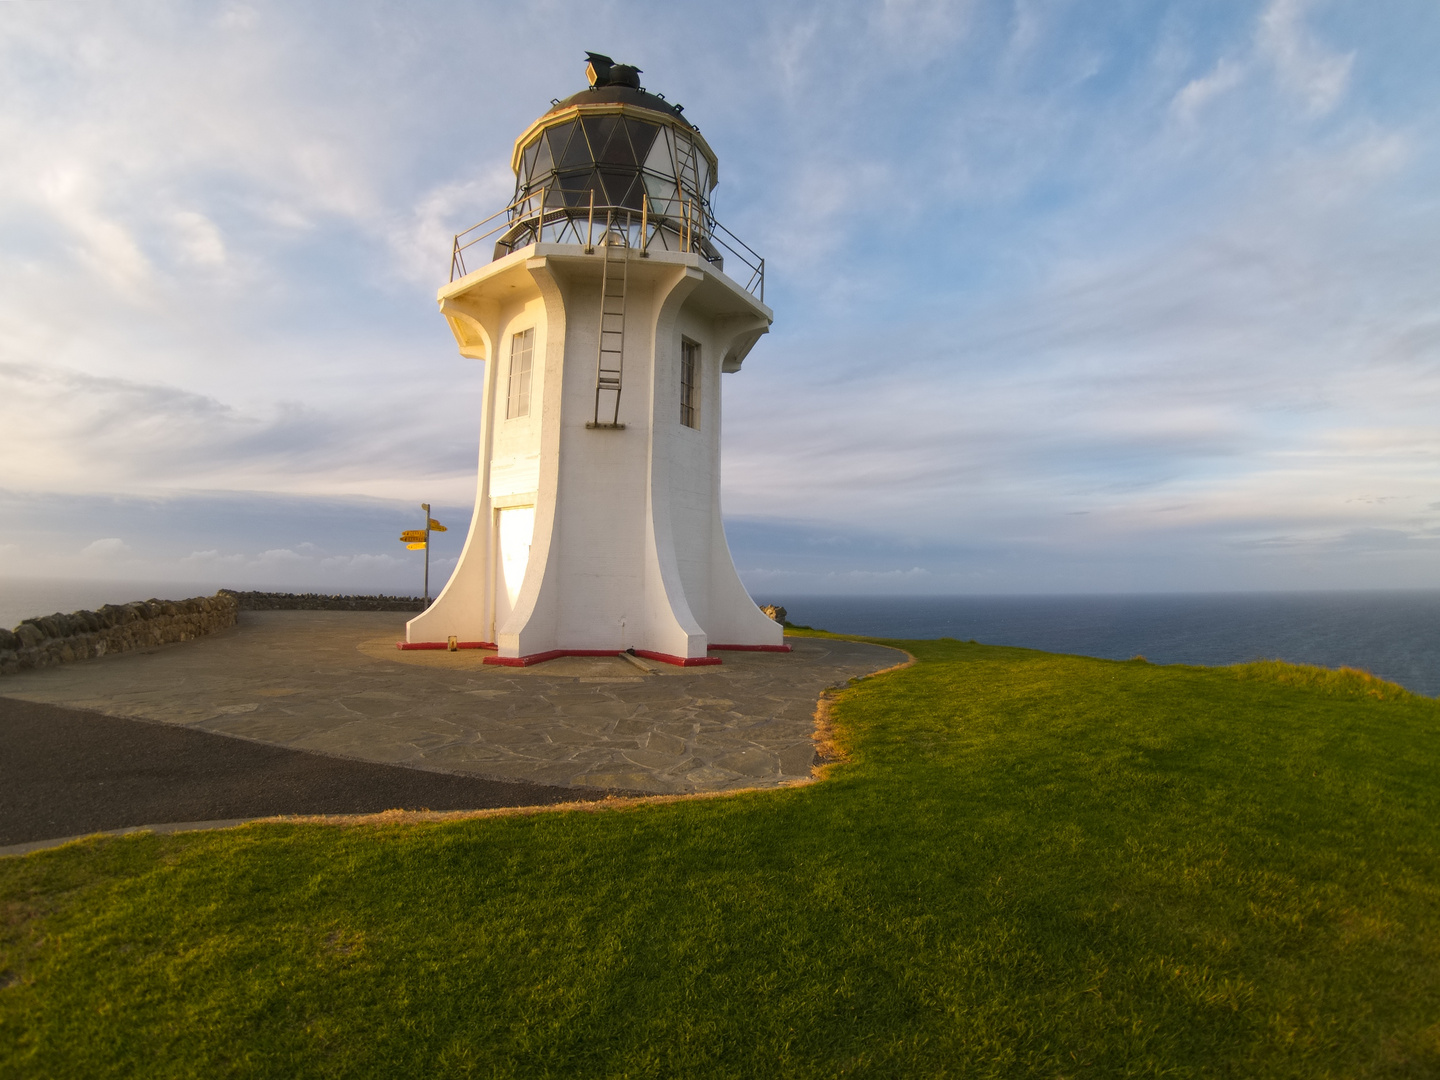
[426, 508]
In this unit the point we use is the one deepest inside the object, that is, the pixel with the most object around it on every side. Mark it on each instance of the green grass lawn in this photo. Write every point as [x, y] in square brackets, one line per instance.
[1030, 865]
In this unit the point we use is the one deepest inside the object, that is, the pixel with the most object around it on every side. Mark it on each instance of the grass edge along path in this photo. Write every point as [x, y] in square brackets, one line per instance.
[1027, 864]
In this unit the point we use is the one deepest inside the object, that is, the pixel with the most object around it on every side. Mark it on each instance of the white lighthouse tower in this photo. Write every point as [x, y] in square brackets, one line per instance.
[612, 305]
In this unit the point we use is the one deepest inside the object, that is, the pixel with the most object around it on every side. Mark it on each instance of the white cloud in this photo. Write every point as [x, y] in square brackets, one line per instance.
[1194, 95]
[199, 239]
[105, 245]
[239, 17]
[918, 30]
[1302, 66]
[421, 245]
[66, 430]
[110, 547]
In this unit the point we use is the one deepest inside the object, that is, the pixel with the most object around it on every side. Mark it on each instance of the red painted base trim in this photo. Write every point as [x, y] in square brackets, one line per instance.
[678, 661]
[554, 654]
[444, 645]
[541, 657]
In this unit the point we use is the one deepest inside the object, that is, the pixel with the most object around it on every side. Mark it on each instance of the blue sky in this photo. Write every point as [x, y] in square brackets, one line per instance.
[1124, 296]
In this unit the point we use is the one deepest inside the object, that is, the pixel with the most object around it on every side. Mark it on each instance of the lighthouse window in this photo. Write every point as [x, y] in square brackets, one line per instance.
[522, 350]
[690, 384]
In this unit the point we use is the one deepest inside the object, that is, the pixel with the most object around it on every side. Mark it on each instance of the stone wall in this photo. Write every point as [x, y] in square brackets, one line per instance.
[273, 601]
[59, 639]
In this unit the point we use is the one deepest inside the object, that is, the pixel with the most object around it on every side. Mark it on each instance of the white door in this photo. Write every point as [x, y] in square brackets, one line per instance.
[514, 526]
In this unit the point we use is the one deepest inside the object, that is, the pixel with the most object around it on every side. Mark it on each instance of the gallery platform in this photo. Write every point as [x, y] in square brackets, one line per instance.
[334, 683]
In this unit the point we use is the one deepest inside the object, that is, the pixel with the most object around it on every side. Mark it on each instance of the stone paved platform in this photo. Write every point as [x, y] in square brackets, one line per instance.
[333, 682]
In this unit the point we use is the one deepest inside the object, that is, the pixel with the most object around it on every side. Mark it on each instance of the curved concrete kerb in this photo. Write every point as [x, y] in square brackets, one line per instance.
[829, 750]
[392, 817]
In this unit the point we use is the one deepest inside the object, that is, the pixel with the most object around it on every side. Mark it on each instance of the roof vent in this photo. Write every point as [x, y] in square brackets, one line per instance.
[602, 71]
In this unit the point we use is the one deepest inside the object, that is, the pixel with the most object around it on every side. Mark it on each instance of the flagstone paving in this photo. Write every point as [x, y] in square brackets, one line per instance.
[333, 682]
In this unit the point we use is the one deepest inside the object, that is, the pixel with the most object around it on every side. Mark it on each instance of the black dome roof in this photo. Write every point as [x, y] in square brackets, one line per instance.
[622, 95]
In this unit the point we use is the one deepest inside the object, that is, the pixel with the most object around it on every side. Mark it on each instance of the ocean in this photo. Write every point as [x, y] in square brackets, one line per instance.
[1395, 635]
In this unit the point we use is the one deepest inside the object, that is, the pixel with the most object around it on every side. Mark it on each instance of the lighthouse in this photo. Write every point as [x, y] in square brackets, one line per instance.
[606, 303]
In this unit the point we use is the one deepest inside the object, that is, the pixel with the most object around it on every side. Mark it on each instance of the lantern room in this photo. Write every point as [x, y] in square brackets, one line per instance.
[614, 158]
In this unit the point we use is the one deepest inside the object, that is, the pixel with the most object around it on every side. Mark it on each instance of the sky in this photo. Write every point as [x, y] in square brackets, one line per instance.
[1069, 297]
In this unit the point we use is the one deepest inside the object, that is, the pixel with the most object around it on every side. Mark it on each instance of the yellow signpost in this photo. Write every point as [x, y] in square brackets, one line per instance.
[419, 540]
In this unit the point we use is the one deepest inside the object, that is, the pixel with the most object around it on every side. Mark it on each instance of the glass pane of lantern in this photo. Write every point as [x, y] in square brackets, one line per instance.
[599, 130]
[661, 159]
[663, 202]
[642, 135]
[543, 161]
[634, 193]
[577, 152]
[587, 125]
[617, 150]
[527, 160]
[620, 188]
[592, 183]
[557, 138]
[575, 187]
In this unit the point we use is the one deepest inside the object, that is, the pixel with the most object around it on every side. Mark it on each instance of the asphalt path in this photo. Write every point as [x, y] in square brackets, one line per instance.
[67, 772]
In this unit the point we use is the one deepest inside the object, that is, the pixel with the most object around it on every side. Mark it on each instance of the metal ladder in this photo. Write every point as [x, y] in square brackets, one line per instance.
[687, 179]
[610, 353]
